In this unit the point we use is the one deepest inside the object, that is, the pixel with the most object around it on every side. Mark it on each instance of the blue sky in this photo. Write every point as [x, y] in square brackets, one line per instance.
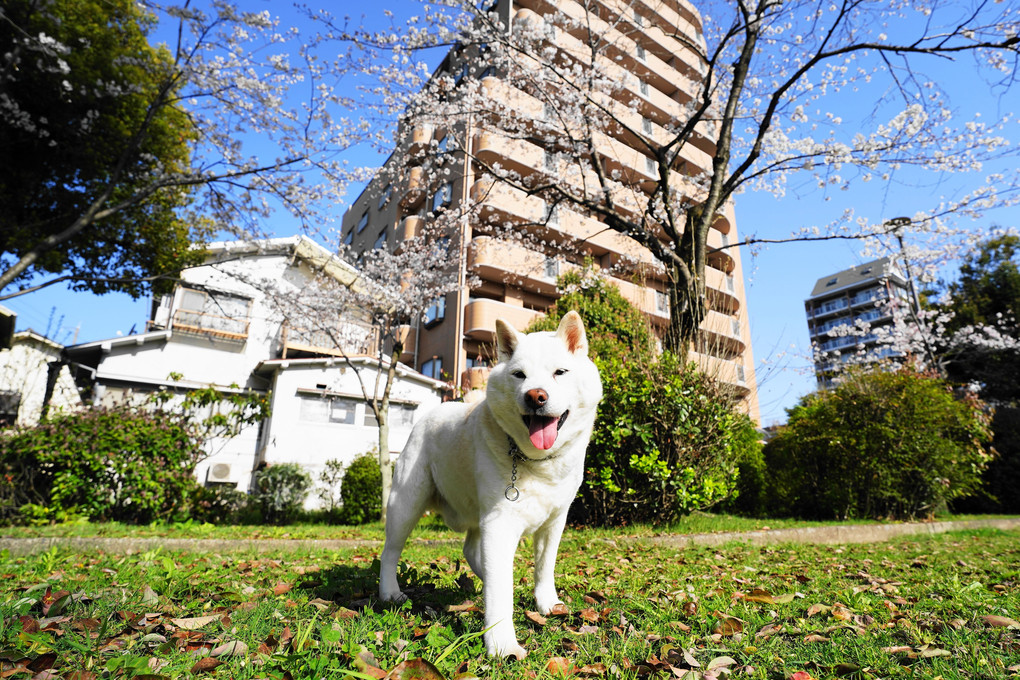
[777, 278]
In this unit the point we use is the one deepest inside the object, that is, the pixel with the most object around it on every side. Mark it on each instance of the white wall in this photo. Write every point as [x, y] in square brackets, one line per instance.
[296, 435]
[23, 369]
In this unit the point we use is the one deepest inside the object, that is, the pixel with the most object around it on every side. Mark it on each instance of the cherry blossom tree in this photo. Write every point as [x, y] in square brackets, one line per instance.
[262, 118]
[769, 99]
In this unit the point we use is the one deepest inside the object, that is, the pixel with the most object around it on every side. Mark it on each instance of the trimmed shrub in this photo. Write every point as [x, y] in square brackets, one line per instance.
[663, 444]
[280, 491]
[123, 463]
[878, 445]
[666, 440]
[1001, 480]
[361, 490]
[220, 505]
[750, 493]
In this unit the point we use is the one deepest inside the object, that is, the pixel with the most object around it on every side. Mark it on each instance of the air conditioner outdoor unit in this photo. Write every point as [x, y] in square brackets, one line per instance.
[218, 472]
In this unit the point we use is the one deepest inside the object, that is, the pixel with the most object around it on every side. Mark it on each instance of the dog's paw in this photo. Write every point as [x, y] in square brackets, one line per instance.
[396, 598]
[507, 651]
[547, 604]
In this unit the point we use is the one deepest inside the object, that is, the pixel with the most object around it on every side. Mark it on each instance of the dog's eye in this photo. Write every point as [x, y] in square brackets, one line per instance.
[559, 371]
[519, 375]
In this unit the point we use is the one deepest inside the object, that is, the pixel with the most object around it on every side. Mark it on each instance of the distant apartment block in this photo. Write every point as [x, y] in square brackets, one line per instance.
[844, 310]
[517, 282]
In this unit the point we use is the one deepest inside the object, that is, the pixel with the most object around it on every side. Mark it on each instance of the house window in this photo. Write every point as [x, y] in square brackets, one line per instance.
[639, 52]
[435, 312]
[646, 125]
[433, 368]
[363, 222]
[380, 242]
[337, 410]
[651, 167]
[643, 88]
[10, 402]
[213, 313]
[832, 281]
[442, 197]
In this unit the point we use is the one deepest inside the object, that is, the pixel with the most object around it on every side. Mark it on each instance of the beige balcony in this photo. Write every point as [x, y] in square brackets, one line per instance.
[723, 370]
[415, 190]
[480, 318]
[501, 261]
[411, 227]
[408, 335]
[420, 137]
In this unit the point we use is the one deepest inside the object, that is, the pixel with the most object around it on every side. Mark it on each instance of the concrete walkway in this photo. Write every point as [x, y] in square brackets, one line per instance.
[856, 533]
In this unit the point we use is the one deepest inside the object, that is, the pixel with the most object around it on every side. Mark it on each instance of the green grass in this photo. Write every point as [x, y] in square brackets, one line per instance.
[909, 608]
[429, 528]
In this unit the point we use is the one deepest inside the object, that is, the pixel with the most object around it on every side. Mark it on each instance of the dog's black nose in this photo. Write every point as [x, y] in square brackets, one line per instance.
[536, 398]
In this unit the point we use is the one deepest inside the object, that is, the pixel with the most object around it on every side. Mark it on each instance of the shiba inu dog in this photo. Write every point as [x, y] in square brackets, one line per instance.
[501, 468]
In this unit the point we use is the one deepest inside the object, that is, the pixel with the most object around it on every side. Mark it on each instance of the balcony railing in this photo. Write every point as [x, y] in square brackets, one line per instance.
[339, 338]
[203, 323]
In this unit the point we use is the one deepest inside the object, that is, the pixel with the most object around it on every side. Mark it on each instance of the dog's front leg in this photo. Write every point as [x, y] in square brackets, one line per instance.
[499, 538]
[547, 542]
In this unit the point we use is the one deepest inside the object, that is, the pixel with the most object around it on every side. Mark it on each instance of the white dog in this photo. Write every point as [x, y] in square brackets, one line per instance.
[504, 467]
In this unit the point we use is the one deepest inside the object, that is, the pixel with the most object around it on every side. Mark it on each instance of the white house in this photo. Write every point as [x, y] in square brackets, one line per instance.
[32, 374]
[223, 327]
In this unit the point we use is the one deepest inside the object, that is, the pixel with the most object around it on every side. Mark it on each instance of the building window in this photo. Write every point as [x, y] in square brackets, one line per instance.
[552, 267]
[442, 145]
[549, 161]
[651, 167]
[735, 325]
[384, 198]
[638, 19]
[646, 125]
[725, 238]
[380, 242]
[442, 197]
[363, 222]
[433, 368]
[832, 281]
[435, 312]
[548, 111]
[731, 284]
[661, 302]
[349, 239]
[552, 215]
[741, 377]
[643, 88]
[639, 52]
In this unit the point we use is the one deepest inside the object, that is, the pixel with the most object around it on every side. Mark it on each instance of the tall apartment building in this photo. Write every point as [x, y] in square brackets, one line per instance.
[517, 281]
[858, 297]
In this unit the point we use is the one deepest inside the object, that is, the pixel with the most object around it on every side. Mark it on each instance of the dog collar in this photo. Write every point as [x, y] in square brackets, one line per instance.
[511, 492]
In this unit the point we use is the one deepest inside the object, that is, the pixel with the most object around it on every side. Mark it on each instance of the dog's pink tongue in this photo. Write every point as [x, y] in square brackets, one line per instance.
[542, 431]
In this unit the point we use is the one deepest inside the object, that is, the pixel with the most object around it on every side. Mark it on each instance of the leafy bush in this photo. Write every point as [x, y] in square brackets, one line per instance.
[219, 504]
[280, 490]
[879, 444]
[750, 493]
[663, 444]
[361, 490]
[666, 438]
[122, 463]
[330, 479]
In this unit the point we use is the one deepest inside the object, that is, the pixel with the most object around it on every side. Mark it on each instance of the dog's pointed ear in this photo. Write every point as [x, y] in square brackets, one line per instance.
[506, 339]
[571, 332]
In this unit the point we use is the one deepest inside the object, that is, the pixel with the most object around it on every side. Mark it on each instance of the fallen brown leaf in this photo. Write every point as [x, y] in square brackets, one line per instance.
[535, 618]
[206, 664]
[996, 621]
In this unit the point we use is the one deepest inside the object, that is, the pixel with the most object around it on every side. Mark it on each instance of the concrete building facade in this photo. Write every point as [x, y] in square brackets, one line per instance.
[517, 282]
[845, 309]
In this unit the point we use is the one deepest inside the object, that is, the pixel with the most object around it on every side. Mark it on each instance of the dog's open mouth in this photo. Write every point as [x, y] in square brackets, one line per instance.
[542, 430]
